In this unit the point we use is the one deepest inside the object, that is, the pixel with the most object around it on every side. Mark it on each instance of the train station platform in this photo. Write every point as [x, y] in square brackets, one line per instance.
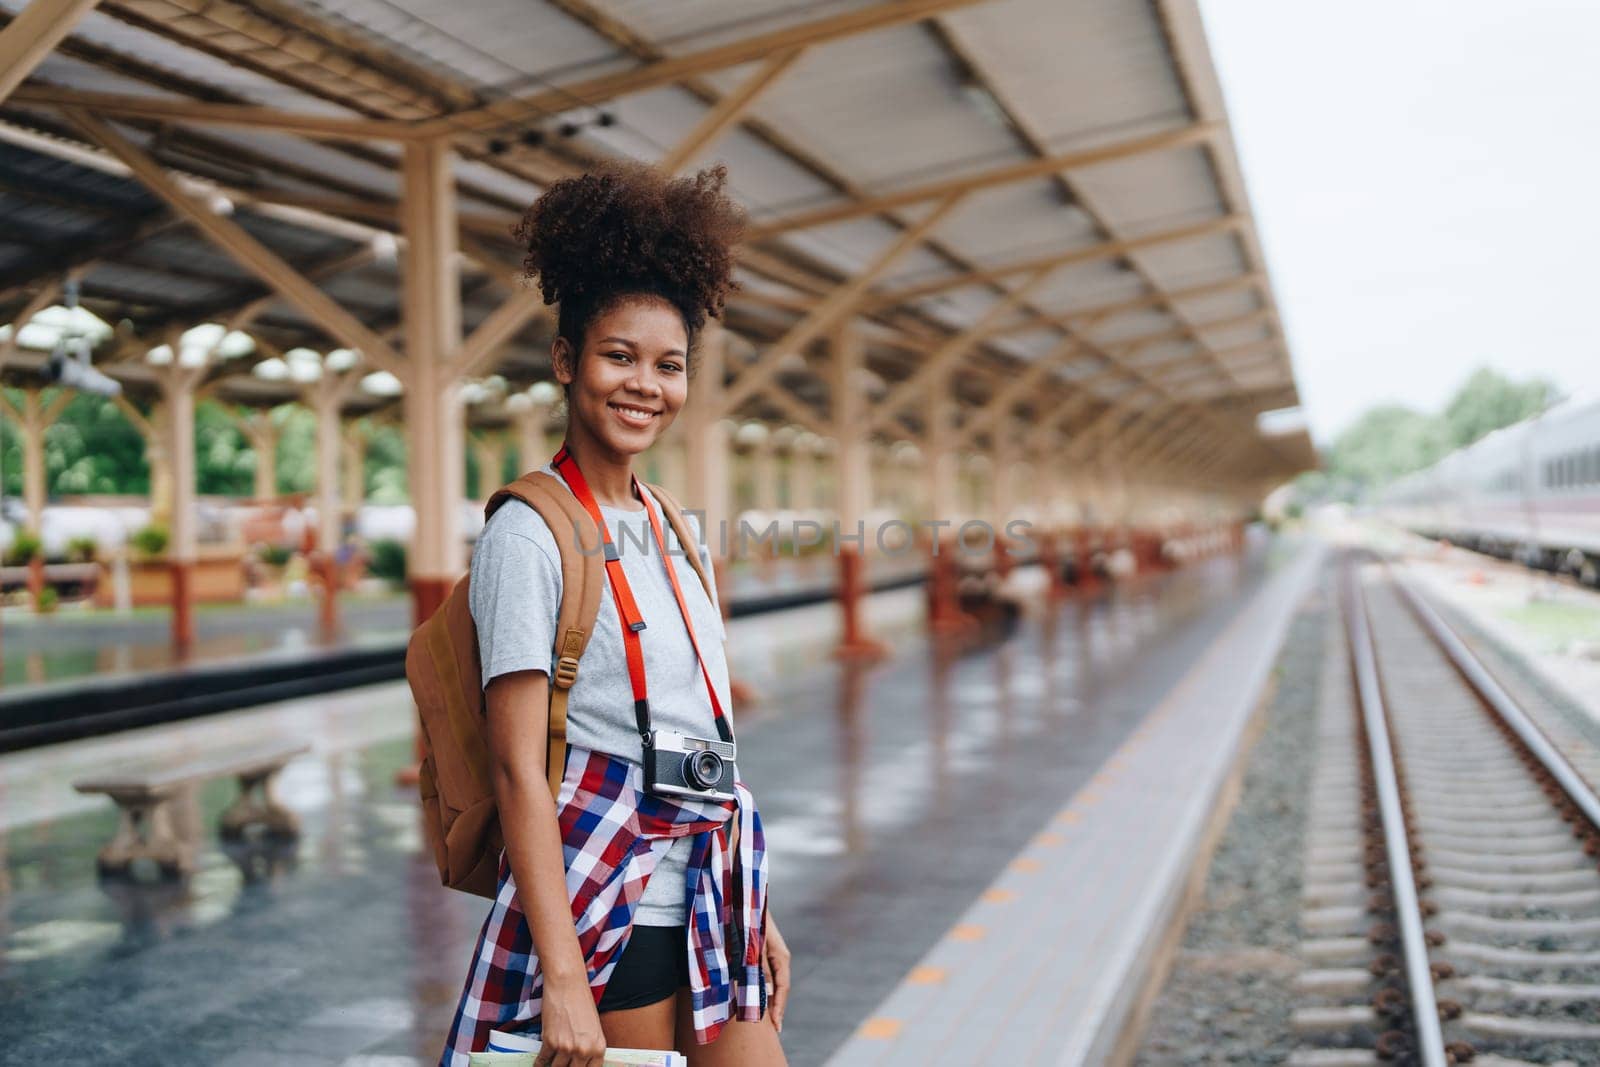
[928, 785]
[78, 674]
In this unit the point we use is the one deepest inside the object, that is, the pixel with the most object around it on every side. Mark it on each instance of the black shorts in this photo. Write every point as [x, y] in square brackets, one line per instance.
[653, 967]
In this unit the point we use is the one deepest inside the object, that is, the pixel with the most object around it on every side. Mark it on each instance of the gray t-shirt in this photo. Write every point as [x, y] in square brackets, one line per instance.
[515, 592]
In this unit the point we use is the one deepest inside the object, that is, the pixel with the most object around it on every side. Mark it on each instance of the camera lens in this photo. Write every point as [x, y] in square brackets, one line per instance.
[702, 769]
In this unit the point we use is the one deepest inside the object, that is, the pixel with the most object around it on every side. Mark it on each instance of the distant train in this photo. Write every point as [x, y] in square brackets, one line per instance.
[1529, 492]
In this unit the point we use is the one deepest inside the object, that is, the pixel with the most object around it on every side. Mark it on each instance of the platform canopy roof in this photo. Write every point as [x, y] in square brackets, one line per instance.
[1033, 203]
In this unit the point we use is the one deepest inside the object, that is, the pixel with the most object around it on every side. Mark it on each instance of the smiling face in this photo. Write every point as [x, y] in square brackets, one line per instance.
[631, 378]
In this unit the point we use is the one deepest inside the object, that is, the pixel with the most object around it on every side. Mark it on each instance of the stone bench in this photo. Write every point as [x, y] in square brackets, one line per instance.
[144, 794]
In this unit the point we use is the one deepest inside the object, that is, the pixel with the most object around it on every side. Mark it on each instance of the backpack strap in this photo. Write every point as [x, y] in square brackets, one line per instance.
[680, 527]
[582, 580]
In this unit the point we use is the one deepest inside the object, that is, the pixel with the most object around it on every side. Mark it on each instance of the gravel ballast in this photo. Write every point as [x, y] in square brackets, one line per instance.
[1229, 995]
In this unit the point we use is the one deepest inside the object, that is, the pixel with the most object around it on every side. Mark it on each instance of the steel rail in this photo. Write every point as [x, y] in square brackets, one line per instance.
[1501, 703]
[1408, 908]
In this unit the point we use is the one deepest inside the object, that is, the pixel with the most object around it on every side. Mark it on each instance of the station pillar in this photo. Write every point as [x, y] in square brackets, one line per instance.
[942, 472]
[853, 479]
[326, 398]
[674, 463]
[533, 446]
[706, 452]
[35, 418]
[262, 436]
[802, 474]
[434, 417]
[490, 451]
[354, 480]
[707, 482]
[764, 473]
[178, 385]
[1002, 497]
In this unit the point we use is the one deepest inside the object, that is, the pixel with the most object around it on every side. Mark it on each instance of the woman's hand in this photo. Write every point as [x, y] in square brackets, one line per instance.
[775, 966]
[570, 1034]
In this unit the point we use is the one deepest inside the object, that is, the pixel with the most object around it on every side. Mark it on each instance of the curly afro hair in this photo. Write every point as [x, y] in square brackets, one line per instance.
[628, 229]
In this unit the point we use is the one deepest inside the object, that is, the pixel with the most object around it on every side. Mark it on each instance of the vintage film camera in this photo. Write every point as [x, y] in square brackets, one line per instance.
[678, 765]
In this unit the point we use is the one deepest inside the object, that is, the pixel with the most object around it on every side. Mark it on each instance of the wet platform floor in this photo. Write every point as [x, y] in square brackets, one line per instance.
[892, 794]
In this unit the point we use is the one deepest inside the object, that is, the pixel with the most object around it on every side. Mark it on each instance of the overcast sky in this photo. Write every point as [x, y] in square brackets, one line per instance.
[1426, 178]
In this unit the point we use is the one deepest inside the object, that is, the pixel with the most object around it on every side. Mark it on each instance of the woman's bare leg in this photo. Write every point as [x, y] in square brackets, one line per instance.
[739, 1045]
[651, 1026]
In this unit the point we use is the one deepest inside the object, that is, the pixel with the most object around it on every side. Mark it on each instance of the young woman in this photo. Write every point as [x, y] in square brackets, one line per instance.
[608, 928]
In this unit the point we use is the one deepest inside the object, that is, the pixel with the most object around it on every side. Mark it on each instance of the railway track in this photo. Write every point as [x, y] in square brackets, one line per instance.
[1452, 894]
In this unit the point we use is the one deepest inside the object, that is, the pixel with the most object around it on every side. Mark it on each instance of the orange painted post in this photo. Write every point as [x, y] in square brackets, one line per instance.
[182, 587]
[1087, 579]
[1050, 559]
[854, 644]
[945, 616]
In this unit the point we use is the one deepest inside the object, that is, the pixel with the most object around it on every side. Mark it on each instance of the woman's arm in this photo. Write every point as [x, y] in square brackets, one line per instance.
[518, 713]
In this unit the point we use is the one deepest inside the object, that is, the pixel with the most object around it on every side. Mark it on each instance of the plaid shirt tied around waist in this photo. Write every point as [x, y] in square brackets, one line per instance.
[613, 834]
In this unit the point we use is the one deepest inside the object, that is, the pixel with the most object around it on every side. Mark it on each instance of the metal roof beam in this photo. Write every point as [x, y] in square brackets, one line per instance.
[33, 34]
[245, 249]
[944, 358]
[673, 69]
[1015, 172]
[1103, 250]
[201, 113]
[728, 112]
[834, 307]
[1107, 312]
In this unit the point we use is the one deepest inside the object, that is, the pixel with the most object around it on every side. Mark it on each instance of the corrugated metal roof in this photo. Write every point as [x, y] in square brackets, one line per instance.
[975, 89]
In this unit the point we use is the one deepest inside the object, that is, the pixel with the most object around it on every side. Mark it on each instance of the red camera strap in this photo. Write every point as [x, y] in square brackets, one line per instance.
[622, 594]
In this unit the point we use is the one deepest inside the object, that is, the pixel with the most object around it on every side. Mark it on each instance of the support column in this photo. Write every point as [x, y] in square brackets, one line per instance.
[32, 420]
[491, 452]
[263, 434]
[706, 448]
[1002, 496]
[942, 473]
[803, 474]
[158, 454]
[674, 463]
[33, 485]
[435, 427]
[706, 441]
[1051, 526]
[355, 468]
[853, 476]
[764, 473]
[533, 447]
[183, 550]
[326, 399]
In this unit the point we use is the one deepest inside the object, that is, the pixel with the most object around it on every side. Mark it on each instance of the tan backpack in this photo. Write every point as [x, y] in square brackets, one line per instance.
[459, 817]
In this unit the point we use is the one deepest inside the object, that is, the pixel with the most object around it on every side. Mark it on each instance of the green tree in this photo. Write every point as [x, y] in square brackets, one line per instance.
[224, 461]
[1385, 443]
[297, 448]
[386, 465]
[1489, 400]
[90, 448]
